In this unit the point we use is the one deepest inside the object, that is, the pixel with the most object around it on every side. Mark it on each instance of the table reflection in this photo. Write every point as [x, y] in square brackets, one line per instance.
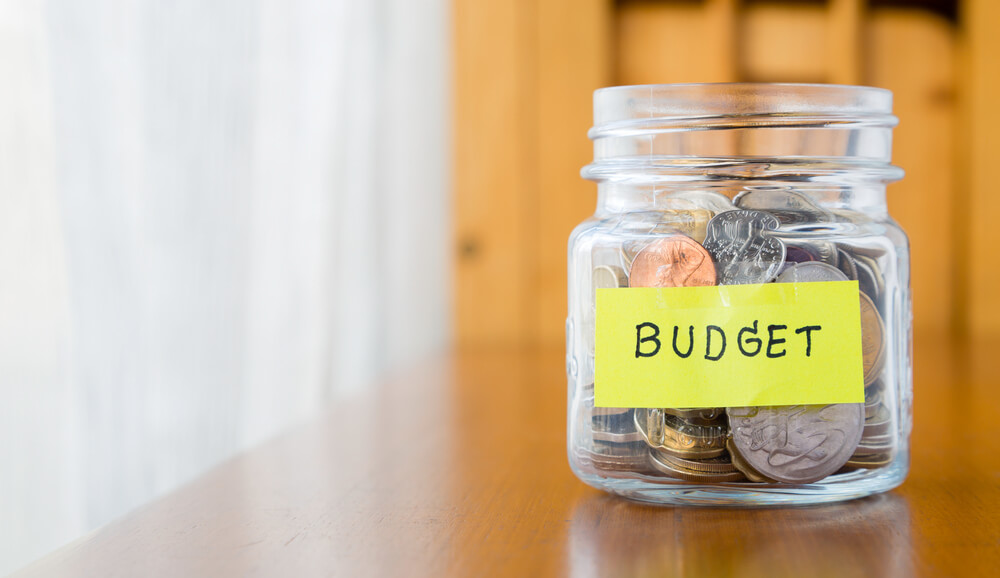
[611, 536]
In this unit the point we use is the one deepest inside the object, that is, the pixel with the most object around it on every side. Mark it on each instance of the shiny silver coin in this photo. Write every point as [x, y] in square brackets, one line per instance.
[797, 444]
[846, 264]
[791, 207]
[710, 200]
[869, 276]
[811, 272]
[742, 247]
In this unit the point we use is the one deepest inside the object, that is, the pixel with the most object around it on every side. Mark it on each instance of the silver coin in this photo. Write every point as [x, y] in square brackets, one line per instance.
[791, 207]
[797, 444]
[869, 276]
[811, 272]
[608, 277]
[846, 264]
[742, 248]
[710, 200]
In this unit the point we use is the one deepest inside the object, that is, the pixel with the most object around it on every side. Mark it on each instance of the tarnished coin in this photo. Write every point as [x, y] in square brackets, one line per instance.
[743, 250]
[669, 465]
[872, 339]
[811, 272]
[797, 444]
[680, 439]
[715, 202]
[740, 464]
[799, 254]
[791, 207]
[675, 261]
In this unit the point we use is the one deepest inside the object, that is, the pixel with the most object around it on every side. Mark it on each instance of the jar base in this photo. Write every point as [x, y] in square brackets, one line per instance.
[836, 488]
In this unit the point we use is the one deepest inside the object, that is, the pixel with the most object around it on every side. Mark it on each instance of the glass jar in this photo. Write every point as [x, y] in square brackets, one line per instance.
[702, 187]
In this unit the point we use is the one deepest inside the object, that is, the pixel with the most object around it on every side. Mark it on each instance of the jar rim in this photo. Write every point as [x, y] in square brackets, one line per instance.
[615, 104]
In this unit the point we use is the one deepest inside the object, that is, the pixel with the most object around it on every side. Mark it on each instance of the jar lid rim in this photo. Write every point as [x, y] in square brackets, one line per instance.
[617, 103]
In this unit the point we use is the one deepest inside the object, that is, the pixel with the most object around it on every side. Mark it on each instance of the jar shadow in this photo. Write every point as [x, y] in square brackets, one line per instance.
[612, 537]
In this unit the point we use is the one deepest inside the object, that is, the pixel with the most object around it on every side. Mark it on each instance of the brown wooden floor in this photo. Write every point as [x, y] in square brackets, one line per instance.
[459, 468]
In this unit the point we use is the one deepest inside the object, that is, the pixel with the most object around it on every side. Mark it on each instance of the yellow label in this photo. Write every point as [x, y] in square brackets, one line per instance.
[731, 345]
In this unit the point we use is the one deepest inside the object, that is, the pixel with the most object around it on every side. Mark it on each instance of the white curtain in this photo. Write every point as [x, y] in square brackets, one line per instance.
[215, 217]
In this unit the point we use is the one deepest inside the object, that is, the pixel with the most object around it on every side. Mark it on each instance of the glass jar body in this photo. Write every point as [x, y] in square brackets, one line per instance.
[843, 226]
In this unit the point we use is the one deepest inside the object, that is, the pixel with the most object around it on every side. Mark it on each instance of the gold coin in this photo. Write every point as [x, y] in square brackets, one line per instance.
[870, 462]
[872, 339]
[660, 464]
[718, 465]
[670, 434]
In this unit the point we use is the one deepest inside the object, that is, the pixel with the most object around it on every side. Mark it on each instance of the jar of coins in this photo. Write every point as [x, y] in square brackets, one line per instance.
[739, 303]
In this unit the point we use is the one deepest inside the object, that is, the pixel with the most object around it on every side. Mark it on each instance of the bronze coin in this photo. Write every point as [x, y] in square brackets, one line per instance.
[872, 339]
[674, 261]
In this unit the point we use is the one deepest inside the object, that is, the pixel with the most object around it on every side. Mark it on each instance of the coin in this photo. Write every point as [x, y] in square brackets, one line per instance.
[879, 424]
[715, 202]
[703, 416]
[799, 254]
[683, 440]
[689, 222]
[797, 444]
[675, 261]
[743, 250]
[662, 462]
[875, 444]
[789, 206]
[811, 272]
[608, 277]
[627, 459]
[866, 278]
[718, 465]
[872, 339]
[846, 264]
[615, 428]
[740, 464]
[870, 462]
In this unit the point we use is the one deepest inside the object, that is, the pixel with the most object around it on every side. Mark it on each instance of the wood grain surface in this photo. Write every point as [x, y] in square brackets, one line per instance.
[458, 468]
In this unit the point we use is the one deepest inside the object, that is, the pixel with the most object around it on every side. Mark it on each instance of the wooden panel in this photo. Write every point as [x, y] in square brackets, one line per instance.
[913, 54]
[494, 167]
[661, 42]
[480, 487]
[574, 60]
[845, 42]
[784, 43]
[980, 202]
[525, 71]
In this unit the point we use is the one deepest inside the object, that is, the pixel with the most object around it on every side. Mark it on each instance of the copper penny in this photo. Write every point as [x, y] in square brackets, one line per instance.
[675, 261]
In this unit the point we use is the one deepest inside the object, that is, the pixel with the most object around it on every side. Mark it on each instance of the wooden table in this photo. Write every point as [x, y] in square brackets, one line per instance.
[458, 467]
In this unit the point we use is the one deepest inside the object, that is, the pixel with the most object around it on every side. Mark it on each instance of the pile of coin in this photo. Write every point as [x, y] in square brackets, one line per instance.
[701, 238]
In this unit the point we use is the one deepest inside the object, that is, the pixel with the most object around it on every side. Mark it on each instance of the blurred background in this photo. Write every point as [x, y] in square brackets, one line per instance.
[217, 217]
